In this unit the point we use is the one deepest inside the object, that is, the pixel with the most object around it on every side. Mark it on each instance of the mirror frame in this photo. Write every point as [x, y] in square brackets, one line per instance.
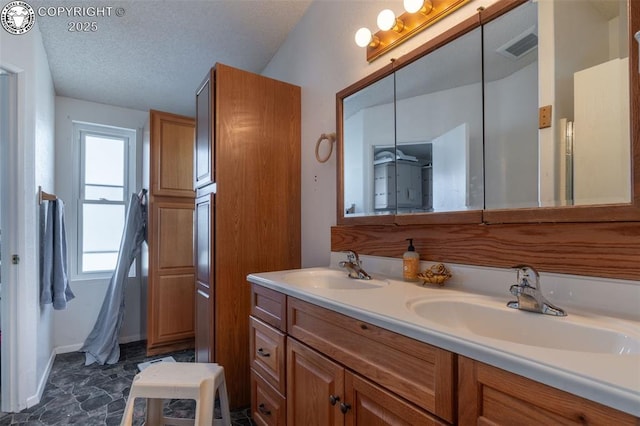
[584, 213]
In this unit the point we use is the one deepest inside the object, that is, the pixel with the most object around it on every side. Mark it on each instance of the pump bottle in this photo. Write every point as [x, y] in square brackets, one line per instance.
[410, 263]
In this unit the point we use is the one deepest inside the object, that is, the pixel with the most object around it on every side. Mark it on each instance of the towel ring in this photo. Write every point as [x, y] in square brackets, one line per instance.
[331, 137]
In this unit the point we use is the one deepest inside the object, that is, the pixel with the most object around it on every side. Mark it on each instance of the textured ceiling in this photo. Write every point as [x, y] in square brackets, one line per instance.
[158, 52]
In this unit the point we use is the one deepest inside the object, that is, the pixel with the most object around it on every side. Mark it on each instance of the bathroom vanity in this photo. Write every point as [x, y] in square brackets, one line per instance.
[324, 353]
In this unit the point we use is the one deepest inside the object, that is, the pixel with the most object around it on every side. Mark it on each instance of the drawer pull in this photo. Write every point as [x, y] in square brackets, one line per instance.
[333, 399]
[263, 353]
[364, 326]
[263, 410]
[344, 407]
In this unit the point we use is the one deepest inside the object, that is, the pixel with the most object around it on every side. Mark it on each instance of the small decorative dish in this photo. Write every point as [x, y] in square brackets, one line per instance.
[437, 274]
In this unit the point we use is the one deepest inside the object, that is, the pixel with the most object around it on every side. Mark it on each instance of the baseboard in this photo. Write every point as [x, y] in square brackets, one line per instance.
[76, 347]
[42, 383]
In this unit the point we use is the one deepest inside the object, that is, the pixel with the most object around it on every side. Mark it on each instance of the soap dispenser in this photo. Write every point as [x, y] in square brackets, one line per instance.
[410, 263]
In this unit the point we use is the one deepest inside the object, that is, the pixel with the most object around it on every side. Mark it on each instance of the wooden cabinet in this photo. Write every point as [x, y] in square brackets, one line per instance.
[267, 353]
[247, 161]
[491, 396]
[205, 150]
[417, 372]
[315, 387]
[323, 392]
[205, 264]
[168, 151]
[326, 366]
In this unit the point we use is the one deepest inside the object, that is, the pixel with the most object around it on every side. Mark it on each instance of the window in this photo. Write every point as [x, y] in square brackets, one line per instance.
[105, 185]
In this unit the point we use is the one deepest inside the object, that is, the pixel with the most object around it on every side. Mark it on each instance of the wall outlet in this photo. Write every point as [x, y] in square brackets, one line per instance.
[544, 117]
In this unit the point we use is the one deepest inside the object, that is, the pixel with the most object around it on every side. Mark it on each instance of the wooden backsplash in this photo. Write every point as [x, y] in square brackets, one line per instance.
[602, 249]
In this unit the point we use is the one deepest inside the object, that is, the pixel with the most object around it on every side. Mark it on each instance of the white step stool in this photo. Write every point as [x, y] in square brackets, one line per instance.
[180, 380]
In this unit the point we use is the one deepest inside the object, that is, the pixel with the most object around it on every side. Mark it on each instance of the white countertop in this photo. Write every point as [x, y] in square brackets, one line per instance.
[610, 379]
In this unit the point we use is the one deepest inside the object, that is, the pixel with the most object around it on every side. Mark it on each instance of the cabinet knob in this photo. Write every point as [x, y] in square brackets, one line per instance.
[263, 410]
[263, 353]
[333, 399]
[344, 407]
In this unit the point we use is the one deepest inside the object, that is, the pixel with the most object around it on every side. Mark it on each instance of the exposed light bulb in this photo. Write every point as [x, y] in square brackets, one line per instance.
[386, 19]
[363, 37]
[413, 6]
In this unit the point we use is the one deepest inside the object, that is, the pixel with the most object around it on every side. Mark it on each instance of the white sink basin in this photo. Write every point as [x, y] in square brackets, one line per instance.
[490, 318]
[330, 279]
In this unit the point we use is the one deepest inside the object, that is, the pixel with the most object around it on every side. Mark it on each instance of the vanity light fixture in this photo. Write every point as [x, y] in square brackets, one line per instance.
[396, 29]
[387, 21]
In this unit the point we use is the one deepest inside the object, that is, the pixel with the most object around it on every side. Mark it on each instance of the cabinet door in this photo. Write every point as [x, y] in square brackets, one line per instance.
[172, 145]
[204, 291]
[315, 386]
[205, 149]
[171, 276]
[491, 396]
[371, 405]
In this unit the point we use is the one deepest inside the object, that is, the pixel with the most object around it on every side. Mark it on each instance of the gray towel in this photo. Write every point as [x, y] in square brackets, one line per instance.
[54, 279]
[102, 345]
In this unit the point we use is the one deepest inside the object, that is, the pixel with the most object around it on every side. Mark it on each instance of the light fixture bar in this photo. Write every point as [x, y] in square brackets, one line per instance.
[413, 24]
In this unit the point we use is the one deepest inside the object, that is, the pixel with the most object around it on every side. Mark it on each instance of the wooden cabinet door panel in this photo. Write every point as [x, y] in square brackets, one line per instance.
[311, 380]
[491, 396]
[372, 405]
[172, 147]
[174, 225]
[205, 148]
[172, 308]
[204, 283]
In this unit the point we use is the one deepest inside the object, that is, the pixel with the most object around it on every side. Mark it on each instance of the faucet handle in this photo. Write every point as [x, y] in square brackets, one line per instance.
[352, 256]
[524, 276]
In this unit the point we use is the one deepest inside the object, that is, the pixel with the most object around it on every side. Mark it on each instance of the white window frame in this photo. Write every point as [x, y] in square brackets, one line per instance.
[80, 131]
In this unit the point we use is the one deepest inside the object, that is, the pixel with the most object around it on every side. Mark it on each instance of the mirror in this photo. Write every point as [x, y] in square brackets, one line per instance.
[582, 157]
[480, 86]
[439, 129]
[413, 139]
[367, 122]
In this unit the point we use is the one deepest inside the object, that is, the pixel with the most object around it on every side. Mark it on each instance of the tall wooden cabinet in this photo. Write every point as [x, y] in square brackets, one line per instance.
[168, 174]
[247, 180]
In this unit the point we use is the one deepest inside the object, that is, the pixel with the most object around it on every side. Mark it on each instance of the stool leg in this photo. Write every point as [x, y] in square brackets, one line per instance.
[154, 412]
[224, 403]
[127, 417]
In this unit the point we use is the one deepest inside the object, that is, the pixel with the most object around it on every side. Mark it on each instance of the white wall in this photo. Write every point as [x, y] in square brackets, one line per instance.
[32, 352]
[321, 56]
[71, 326]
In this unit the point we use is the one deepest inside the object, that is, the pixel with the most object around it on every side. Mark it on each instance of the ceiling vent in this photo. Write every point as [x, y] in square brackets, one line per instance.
[520, 45]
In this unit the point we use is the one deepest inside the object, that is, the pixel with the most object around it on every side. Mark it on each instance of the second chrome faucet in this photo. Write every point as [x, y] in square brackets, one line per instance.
[529, 293]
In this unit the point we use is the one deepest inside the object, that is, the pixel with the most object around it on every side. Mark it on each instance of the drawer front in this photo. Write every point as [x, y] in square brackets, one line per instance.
[269, 306]
[268, 407]
[268, 356]
[418, 372]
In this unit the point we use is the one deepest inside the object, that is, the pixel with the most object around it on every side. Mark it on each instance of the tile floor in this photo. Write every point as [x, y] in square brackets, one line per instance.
[96, 395]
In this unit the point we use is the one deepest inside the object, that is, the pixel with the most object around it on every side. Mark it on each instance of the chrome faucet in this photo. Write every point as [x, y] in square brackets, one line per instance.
[530, 296]
[354, 266]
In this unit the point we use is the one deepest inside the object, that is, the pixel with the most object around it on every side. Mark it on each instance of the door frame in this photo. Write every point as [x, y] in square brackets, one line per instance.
[12, 226]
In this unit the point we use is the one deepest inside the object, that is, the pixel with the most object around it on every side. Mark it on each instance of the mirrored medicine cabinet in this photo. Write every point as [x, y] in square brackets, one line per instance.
[454, 133]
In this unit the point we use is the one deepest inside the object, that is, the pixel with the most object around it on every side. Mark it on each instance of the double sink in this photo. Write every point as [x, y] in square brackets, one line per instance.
[488, 317]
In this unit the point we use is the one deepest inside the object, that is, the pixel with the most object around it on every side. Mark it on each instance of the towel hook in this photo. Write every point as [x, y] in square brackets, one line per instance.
[331, 137]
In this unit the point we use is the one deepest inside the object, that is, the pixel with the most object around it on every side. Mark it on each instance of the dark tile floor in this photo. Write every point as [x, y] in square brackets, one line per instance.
[97, 394]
